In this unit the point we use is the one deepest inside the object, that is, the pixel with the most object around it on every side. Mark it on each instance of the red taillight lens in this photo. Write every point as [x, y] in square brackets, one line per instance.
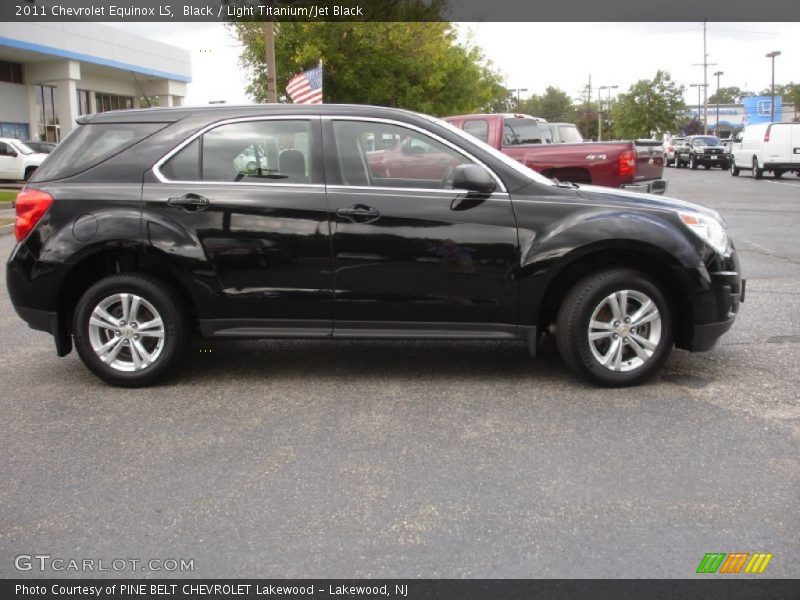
[31, 206]
[766, 134]
[627, 163]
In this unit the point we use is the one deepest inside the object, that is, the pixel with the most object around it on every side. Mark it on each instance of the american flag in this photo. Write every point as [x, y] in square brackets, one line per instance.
[306, 87]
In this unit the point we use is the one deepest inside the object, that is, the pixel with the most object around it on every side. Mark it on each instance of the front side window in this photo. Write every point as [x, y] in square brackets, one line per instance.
[386, 155]
[269, 151]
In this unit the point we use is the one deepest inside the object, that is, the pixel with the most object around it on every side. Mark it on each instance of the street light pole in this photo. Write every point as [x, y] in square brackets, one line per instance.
[717, 74]
[772, 55]
[600, 108]
[699, 87]
[517, 92]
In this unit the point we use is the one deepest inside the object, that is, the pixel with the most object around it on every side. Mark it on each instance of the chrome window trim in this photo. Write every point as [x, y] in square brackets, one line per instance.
[373, 188]
[418, 129]
[160, 162]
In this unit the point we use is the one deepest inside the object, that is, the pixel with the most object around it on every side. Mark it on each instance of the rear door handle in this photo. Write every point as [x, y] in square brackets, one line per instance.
[360, 213]
[190, 202]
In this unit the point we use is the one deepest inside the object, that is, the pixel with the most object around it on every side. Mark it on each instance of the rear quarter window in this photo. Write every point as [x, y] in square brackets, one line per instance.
[91, 144]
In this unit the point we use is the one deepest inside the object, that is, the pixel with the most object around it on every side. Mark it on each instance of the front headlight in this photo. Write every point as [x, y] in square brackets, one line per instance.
[709, 229]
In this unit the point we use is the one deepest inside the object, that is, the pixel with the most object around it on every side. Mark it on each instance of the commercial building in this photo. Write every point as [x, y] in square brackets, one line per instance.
[733, 117]
[51, 73]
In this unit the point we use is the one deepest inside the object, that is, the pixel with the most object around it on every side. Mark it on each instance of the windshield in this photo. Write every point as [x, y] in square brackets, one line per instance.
[525, 131]
[24, 148]
[507, 160]
[706, 141]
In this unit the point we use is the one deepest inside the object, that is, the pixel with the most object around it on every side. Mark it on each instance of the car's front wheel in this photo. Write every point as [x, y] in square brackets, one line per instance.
[129, 330]
[615, 327]
[734, 169]
[692, 162]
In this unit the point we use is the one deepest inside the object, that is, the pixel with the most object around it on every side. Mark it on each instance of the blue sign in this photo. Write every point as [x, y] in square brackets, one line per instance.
[757, 109]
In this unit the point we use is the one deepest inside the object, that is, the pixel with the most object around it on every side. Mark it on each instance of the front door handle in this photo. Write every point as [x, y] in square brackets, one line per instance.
[190, 202]
[359, 213]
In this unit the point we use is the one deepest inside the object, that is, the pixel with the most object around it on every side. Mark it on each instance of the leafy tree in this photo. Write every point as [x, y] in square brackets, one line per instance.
[789, 92]
[553, 105]
[728, 95]
[414, 65]
[649, 107]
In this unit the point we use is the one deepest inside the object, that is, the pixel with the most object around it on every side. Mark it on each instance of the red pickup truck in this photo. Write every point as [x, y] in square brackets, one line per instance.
[636, 165]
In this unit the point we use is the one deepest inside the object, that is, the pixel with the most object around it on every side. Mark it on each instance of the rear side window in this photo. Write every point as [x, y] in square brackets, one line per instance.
[270, 151]
[91, 144]
[479, 128]
[525, 131]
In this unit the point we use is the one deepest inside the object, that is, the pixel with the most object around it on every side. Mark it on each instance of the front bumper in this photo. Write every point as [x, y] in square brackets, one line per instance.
[714, 303]
[659, 186]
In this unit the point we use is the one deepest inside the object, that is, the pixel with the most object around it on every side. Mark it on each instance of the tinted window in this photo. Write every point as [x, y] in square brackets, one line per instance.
[264, 151]
[89, 145]
[525, 131]
[706, 141]
[5, 150]
[479, 128]
[417, 161]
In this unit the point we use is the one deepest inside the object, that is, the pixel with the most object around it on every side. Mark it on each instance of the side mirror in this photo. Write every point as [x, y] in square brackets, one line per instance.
[473, 178]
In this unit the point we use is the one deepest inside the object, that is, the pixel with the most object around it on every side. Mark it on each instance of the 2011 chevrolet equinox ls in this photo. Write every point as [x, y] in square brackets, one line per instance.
[145, 227]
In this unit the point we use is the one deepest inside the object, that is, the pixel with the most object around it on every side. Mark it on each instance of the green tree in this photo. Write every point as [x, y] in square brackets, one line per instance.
[728, 95]
[649, 107]
[414, 65]
[553, 105]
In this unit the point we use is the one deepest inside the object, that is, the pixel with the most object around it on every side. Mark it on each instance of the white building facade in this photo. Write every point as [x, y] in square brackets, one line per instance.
[52, 73]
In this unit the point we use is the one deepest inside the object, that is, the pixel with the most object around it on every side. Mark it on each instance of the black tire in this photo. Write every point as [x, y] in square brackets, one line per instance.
[162, 298]
[758, 173]
[677, 161]
[572, 326]
[778, 173]
[692, 162]
[734, 169]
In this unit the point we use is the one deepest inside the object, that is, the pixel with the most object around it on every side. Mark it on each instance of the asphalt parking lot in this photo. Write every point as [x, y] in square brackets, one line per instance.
[423, 459]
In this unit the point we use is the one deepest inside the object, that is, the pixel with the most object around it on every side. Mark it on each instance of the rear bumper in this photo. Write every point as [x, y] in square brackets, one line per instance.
[658, 186]
[784, 166]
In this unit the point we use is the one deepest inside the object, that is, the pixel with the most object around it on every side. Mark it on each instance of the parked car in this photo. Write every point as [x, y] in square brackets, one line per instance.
[40, 147]
[17, 160]
[773, 147]
[701, 150]
[139, 231]
[669, 150]
[635, 165]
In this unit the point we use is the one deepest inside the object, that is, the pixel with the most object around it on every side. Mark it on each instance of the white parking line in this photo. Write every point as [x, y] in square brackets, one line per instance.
[784, 183]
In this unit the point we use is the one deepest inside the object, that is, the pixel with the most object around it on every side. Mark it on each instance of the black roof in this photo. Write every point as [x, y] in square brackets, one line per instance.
[171, 115]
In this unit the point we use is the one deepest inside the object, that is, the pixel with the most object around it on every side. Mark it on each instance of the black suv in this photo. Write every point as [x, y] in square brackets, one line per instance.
[143, 228]
[702, 150]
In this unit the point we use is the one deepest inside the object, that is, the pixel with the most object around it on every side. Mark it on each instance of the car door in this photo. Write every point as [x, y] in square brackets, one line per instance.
[411, 256]
[242, 207]
[8, 162]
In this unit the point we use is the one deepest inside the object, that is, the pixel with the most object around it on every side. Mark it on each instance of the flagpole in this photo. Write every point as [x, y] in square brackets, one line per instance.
[321, 79]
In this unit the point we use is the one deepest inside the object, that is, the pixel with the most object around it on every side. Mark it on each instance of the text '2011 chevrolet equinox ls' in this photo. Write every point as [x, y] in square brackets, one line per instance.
[145, 227]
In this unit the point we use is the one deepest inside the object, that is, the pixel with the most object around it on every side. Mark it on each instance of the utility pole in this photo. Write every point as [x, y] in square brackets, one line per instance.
[269, 49]
[588, 103]
[705, 64]
[717, 75]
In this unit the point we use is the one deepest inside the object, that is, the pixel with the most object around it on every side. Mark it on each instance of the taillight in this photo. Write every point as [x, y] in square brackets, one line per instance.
[627, 163]
[31, 206]
[766, 134]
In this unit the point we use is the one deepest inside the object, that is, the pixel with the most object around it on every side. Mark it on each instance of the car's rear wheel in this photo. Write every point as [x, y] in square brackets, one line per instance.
[758, 173]
[615, 327]
[677, 161]
[129, 330]
[778, 173]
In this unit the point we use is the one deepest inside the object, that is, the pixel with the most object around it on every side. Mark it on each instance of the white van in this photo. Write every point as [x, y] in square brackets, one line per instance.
[771, 147]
